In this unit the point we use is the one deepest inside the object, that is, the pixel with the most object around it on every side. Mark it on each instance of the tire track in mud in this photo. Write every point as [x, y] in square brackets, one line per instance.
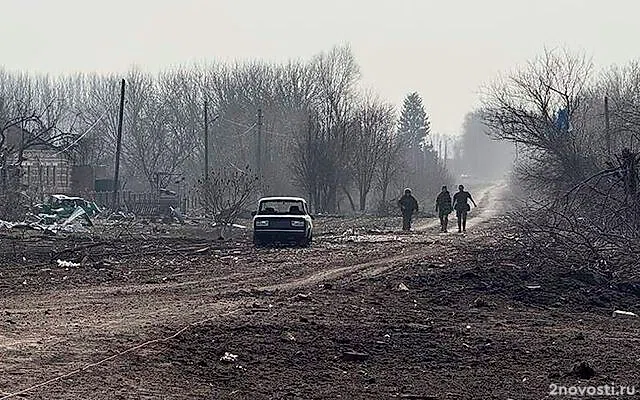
[489, 196]
[370, 268]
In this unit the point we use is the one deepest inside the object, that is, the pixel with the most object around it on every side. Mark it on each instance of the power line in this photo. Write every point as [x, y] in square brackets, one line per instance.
[272, 133]
[249, 128]
[82, 136]
[238, 123]
[237, 168]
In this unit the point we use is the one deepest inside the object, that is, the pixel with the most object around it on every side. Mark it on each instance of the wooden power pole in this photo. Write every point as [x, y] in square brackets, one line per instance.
[116, 175]
[607, 127]
[259, 144]
[206, 142]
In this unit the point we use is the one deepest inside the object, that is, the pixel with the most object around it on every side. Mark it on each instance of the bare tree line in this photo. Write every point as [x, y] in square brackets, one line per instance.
[322, 135]
[577, 161]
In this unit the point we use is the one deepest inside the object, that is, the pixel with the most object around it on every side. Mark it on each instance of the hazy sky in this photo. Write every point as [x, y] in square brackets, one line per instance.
[443, 49]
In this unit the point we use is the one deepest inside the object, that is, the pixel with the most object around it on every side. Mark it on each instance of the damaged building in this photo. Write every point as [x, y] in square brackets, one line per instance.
[46, 170]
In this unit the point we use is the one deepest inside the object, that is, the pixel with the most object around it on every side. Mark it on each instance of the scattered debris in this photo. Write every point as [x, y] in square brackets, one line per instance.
[620, 313]
[348, 232]
[6, 224]
[301, 297]
[402, 287]
[228, 357]
[77, 213]
[354, 356]
[135, 256]
[177, 214]
[534, 287]
[480, 303]
[67, 228]
[59, 207]
[238, 226]
[288, 336]
[67, 264]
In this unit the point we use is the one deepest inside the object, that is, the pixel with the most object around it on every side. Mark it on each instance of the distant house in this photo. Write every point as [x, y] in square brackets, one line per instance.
[44, 169]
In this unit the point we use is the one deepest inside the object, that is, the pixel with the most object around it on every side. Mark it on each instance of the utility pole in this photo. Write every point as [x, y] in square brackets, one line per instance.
[206, 142]
[259, 144]
[116, 176]
[606, 124]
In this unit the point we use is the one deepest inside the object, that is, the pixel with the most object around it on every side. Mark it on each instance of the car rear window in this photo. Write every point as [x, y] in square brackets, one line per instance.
[281, 207]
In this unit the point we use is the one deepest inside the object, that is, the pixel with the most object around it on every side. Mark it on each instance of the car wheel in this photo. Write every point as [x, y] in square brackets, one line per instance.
[306, 242]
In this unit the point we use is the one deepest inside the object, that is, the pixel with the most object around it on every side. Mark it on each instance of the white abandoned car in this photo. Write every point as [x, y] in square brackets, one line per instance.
[282, 220]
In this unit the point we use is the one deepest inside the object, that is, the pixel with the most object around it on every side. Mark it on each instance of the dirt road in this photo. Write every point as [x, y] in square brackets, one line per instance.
[364, 313]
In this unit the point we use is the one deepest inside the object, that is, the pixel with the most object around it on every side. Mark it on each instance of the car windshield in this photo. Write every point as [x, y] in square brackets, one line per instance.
[275, 207]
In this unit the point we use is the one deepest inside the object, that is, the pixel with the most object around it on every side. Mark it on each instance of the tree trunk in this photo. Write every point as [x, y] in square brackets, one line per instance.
[363, 198]
[384, 189]
[332, 198]
[351, 202]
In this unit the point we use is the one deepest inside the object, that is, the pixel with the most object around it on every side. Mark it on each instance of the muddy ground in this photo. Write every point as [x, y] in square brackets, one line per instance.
[365, 313]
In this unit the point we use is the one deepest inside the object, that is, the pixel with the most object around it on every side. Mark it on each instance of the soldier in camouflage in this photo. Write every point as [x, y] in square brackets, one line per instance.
[408, 205]
[444, 208]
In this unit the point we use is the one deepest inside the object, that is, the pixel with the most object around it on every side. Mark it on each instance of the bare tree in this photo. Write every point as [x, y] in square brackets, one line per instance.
[583, 194]
[374, 125]
[535, 106]
[30, 115]
[328, 139]
[226, 194]
[390, 165]
[308, 107]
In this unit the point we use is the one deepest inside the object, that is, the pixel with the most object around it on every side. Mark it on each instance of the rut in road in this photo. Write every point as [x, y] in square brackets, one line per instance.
[489, 200]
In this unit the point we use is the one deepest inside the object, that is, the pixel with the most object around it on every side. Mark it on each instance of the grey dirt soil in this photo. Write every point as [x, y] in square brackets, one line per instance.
[365, 313]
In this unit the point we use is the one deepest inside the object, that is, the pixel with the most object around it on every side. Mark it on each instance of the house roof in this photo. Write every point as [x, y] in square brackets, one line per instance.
[15, 136]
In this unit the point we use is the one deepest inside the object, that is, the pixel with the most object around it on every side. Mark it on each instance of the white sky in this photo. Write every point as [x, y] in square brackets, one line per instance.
[444, 49]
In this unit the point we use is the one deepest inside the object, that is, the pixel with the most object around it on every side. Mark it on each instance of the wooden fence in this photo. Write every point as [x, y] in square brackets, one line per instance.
[147, 203]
